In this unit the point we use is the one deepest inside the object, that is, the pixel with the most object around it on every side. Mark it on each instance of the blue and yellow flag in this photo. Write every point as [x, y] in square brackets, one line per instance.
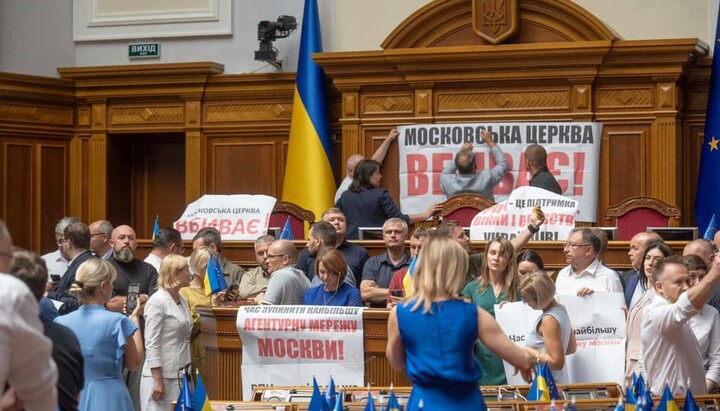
[631, 402]
[287, 232]
[707, 201]
[543, 387]
[667, 402]
[185, 400]
[317, 401]
[200, 398]
[309, 180]
[156, 227]
[619, 406]
[214, 277]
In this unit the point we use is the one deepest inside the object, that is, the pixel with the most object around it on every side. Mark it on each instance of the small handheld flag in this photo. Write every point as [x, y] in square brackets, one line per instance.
[185, 400]
[543, 387]
[287, 232]
[200, 398]
[711, 229]
[631, 403]
[339, 403]
[330, 395]
[667, 402]
[393, 404]
[156, 227]
[214, 277]
[370, 405]
[317, 401]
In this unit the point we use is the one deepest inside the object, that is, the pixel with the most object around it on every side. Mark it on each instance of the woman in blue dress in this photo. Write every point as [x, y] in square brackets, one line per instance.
[433, 334]
[331, 268]
[108, 340]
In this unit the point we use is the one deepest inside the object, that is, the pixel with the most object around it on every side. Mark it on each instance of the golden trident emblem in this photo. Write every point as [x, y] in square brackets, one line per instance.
[494, 20]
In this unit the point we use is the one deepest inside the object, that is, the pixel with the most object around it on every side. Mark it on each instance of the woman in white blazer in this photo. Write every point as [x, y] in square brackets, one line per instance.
[168, 324]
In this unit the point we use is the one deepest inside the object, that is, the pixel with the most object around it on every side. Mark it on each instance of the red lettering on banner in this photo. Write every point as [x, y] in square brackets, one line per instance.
[505, 186]
[438, 163]
[557, 162]
[417, 179]
[300, 348]
[579, 173]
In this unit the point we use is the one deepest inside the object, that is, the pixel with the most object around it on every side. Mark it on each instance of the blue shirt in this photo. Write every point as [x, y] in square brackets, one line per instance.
[367, 208]
[345, 296]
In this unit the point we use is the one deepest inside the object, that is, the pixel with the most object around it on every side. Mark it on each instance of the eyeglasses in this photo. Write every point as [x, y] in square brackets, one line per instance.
[573, 245]
[61, 241]
[269, 256]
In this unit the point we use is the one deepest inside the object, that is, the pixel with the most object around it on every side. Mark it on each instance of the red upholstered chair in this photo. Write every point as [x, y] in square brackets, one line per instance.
[636, 214]
[297, 214]
[463, 208]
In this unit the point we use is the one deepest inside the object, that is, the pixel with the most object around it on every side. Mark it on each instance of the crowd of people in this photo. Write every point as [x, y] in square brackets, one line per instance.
[105, 330]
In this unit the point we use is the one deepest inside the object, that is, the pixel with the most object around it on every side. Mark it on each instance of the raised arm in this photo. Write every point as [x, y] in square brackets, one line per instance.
[490, 333]
[700, 293]
[381, 152]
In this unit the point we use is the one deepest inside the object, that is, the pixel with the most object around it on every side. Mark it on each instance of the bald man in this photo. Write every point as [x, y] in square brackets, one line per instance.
[354, 159]
[287, 284]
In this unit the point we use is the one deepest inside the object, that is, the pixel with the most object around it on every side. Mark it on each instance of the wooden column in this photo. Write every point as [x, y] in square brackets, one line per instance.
[665, 147]
[97, 178]
[423, 102]
[195, 173]
[350, 120]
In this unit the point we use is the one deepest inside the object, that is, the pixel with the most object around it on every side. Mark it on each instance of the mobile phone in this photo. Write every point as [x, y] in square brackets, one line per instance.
[396, 293]
[132, 297]
[55, 277]
[232, 288]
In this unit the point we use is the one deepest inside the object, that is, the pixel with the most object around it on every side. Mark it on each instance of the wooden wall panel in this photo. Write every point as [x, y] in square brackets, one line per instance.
[18, 187]
[52, 192]
[624, 163]
[243, 165]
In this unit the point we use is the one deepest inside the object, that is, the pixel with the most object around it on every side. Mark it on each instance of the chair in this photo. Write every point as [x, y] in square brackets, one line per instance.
[636, 214]
[463, 208]
[298, 217]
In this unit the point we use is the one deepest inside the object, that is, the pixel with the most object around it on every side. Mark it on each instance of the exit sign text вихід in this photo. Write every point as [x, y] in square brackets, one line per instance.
[144, 50]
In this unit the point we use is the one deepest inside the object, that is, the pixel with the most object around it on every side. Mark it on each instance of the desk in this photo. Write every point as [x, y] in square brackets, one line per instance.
[223, 352]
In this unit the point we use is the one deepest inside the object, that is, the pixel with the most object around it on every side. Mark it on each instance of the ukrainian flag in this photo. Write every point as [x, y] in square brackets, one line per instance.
[156, 227]
[667, 402]
[309, 180]
[543, 387]
[707, 200]
[200, 398]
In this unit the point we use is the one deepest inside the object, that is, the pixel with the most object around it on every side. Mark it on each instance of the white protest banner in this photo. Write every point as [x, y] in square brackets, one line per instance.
[573, 158]
[237, 217]
[516, 320]
[287, 345]
[599, 324]
[598, 321]
[513, 215]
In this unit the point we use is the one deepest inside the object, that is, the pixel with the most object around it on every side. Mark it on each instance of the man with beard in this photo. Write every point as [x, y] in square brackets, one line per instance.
[322, 236]
[74, 247]
[130, 270]
[255, 281]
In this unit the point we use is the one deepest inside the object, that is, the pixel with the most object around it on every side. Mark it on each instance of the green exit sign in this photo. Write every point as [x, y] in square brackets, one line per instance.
[144, 50]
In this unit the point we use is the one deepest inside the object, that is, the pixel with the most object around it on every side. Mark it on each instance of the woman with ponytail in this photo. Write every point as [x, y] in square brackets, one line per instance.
[108, 340]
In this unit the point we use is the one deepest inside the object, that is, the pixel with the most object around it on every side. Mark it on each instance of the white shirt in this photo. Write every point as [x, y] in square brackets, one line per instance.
[669, 347]
[55, 263]
[596, 277]
[155, 261]
[344, 186]
[167, 334]
[706, 327]
[25, 353]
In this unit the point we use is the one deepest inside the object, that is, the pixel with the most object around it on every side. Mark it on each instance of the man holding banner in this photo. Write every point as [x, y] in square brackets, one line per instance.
[461, 176]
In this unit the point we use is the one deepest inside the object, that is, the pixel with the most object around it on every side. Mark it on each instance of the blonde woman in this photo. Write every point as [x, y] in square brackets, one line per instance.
[432, 335]
[195, 295]
[551, 337]
[498, 282]
[167, 336]
[108, 340]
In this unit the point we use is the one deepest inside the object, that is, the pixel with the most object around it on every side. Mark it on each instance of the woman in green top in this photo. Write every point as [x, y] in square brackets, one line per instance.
[498, 282]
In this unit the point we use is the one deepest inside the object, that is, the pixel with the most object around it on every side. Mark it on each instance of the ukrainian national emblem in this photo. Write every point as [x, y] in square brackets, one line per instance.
[494, 20]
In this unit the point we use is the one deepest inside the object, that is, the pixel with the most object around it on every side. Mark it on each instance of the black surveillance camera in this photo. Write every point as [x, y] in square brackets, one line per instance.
[269, 31]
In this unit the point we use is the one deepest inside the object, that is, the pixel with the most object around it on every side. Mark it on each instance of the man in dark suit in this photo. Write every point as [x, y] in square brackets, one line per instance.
[75, 248]
[536, 165]
[630, 278]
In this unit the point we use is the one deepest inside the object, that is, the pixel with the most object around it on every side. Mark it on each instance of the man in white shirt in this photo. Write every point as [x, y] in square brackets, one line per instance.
[585, 274]
[55, 262]
[25, 361]
[167, 241]
[670, 349]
